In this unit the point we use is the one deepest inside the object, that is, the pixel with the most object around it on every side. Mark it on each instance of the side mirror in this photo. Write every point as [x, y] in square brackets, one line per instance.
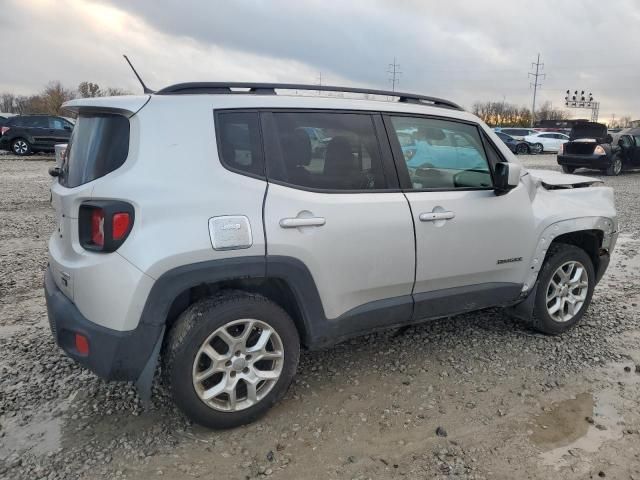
[507, 177]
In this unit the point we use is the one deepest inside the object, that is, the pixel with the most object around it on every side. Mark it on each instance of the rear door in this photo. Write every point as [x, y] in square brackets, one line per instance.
[37, 127]
[471, 245]
[338, 210]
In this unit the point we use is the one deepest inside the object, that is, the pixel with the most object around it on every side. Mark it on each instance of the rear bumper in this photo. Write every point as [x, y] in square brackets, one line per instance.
[113, 355]
[586, 161]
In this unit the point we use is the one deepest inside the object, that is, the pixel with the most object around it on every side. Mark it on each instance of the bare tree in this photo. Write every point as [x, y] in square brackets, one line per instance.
[89, 89]
[53, 96]
[115, 92]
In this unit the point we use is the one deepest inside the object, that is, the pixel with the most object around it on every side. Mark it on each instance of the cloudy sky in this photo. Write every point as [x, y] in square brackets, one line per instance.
[458, 49]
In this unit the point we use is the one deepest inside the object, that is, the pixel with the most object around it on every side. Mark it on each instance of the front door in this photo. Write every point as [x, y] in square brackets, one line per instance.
[472, 246]
[339, 212]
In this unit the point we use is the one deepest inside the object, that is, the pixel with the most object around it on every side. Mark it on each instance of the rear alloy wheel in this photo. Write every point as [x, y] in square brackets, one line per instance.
[565, 287]
[230, 358]
[568, 169]
[539, 148]
[522, 149]
[21, 147]
[615, 168]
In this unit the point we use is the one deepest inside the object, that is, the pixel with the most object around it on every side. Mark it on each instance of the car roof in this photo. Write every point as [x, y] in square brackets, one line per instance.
[133, 103]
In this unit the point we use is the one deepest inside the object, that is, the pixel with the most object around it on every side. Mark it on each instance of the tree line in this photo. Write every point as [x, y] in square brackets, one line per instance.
[510, 115]
[51, 98]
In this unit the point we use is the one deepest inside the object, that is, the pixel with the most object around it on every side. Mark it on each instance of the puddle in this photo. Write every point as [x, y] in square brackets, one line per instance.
[39, 435]
[562, 429]
[8, 330]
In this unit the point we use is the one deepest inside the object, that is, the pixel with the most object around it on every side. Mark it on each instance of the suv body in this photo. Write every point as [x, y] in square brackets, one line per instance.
[547, 141]
[592, 146]
[224, 247]
[516, 132]
[24, 134]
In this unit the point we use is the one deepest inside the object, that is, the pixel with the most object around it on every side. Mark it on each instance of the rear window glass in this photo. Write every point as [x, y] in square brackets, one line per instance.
[239, 142]
[98, 145]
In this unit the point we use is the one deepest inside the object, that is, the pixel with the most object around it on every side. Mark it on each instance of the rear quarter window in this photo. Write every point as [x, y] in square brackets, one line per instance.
[98, 145]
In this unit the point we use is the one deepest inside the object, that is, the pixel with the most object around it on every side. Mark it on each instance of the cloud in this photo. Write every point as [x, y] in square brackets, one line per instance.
[462, 50]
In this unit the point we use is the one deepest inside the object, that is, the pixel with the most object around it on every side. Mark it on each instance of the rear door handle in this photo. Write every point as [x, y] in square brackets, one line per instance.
[302, 222]
[434, 216]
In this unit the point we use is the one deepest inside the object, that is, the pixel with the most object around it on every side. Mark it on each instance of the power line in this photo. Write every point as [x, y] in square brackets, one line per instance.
[394, 72]
[539, 66]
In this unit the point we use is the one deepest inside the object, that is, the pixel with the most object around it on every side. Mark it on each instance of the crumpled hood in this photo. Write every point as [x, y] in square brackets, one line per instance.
[558, 179]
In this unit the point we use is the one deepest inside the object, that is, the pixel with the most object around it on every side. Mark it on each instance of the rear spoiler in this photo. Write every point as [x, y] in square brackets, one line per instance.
[127, 105]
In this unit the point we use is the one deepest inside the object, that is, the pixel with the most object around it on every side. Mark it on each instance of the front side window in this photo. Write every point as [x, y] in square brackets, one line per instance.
[637, 138]
[57, 123]
[448, 155]
[239, 142]
[326, 151]
[626, 141]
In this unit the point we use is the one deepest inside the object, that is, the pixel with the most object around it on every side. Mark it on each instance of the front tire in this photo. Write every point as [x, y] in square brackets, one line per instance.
[615, 168]
[565, 287]
[568, 169]
[539, 148]
[21, 147]
[229, 359]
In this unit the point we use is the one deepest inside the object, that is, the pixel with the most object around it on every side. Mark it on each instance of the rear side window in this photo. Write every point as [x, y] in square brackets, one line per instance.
[239, 142]
[326, 151]
[444, 155]
[98, 145]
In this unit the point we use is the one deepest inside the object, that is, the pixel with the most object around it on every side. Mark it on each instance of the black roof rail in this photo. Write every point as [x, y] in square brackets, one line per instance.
[193, 88]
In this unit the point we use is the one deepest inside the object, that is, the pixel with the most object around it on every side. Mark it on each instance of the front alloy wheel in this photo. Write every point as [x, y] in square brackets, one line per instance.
[564, 289]
[615, 168]
[567, 291]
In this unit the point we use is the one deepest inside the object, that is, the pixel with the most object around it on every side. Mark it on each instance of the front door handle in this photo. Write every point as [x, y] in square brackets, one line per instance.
[435, 216]
[302, 222]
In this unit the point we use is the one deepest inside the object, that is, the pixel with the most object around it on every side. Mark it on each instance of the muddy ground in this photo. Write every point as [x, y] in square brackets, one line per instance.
[508, 403]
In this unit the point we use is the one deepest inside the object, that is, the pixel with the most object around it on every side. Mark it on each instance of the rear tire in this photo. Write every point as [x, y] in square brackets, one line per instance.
[219, 373]
[568, 169]
[522, 149]
[565, 287]
[615, 168]
[21, 147]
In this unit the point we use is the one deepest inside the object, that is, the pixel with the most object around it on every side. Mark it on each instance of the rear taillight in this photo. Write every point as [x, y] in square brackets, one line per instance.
[97, 227]
[4, 130]
[104, 225]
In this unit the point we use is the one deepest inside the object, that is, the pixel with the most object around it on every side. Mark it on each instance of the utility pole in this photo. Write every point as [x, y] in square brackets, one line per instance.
[319, 81]
[394, 72]
[613, 119]
[539, 66]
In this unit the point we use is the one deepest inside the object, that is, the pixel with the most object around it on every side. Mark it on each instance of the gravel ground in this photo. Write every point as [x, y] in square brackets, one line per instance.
[478, 396]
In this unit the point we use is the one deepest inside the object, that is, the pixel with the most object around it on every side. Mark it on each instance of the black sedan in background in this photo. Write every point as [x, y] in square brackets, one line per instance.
[517, 146]
[24, 134]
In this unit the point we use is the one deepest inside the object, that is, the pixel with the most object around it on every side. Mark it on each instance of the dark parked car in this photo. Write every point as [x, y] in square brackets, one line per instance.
[517, 146]
[591, 146]
[25, 134]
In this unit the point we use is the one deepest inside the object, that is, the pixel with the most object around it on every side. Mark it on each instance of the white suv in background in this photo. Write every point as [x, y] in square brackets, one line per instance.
[225, 243]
